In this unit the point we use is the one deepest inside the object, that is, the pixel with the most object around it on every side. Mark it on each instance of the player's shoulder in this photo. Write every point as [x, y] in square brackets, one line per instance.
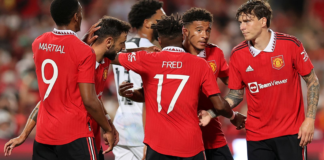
[213, 48]
[42, 37]
[242, 46]
[288, 39]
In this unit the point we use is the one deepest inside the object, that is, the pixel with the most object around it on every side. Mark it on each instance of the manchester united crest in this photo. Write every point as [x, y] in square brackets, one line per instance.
[278, 62]
[213, 65]
[105, 74]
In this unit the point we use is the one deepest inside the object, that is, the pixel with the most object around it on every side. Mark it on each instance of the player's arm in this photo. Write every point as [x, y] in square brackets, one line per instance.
[234, 97]
[125, 90]
[148, 49]
[221, 107]
[31, 123]
[306, 131]
[224, 80]
[95, 109]
[111, 123]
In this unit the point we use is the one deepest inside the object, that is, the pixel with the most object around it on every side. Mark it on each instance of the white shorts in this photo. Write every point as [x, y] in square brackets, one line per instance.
[128, 152]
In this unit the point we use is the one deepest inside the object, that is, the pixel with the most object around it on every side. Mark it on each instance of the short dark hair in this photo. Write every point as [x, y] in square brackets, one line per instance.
[142, 10]
[111, 26]
[196, 14]
[258, 8]
[169, 26]
[62, 11]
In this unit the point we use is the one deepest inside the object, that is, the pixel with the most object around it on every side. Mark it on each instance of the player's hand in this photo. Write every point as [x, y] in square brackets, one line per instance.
[89, 38]
[239, 121]
[109, 138]
[152, 49]
[204, 117]
[144, 152]
[124, 89]
[306, 132]
[15, 142]
[116, 133]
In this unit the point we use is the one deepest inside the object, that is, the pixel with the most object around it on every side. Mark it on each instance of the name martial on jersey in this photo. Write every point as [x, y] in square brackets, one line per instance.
[51, 48]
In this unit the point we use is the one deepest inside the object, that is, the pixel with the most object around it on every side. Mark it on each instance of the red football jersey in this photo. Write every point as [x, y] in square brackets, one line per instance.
[62, 61]
[272, 83]
[101, 75]
[172, 83]
[213, 135]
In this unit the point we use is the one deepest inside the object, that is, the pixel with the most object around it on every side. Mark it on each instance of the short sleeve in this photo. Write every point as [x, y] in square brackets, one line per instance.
[209, 83]
[301, 61]
[132, 61]
[86, 69]
[224, 68]
[235, 80]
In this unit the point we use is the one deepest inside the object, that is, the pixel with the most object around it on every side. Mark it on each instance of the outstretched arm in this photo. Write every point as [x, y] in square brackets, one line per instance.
[15, 142]
[306, 130]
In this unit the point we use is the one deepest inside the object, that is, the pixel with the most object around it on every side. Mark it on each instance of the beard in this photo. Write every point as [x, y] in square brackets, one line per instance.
[111, 56]
[155, 34]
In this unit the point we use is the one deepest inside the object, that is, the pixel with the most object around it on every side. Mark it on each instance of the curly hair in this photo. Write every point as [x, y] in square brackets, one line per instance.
[142, 10]
[196, 14]
[258, 8]
[169, 26]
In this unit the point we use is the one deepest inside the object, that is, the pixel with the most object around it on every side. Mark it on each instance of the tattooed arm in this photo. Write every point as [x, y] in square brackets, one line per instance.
[234, 97]
[313, 89]
[15, 142]
[306, 130]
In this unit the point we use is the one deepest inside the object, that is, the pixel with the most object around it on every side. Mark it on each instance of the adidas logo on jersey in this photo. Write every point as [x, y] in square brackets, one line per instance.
[249, 69]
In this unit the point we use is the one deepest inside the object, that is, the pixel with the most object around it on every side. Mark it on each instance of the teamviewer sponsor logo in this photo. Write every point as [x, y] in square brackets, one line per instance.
[253, 86]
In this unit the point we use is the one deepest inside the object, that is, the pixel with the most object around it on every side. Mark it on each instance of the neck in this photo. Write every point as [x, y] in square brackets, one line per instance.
[144, 34]
[190, 48]
[68, 27]
[176, 42]
[262, 41]
[99, 53]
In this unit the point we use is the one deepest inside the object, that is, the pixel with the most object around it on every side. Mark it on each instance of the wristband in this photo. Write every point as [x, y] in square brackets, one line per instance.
[211, 113]
[233, 116]
[108, 117]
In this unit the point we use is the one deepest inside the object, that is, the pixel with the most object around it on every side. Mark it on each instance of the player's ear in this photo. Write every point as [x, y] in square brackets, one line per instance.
[184, 31]
[109, 42]
[75, 17]
[147, 23]
[264, 21]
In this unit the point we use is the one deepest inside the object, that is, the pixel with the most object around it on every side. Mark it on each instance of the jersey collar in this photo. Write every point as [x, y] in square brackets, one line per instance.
[63, 32]
[102, 62]
[173, 49]
[202, 54]
[270, 47]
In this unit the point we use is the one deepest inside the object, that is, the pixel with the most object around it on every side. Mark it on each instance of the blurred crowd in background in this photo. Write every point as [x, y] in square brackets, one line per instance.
[21, 21]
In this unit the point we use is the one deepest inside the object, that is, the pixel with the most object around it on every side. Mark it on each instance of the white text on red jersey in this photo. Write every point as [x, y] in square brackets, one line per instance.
[172, 64]
[51, 48]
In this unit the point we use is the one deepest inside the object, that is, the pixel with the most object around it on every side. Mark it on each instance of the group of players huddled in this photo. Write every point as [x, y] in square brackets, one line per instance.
[168, 97]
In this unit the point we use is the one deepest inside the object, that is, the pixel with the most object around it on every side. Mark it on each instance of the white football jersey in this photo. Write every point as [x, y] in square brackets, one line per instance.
[128, 119]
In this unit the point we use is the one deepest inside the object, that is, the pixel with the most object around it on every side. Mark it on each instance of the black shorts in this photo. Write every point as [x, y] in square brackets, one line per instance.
[80, 149]
[153, 155]
[279, 148]
[101, 156]
[222, 153]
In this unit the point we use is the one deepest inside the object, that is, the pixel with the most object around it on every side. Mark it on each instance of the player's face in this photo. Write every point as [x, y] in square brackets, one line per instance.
[250, 26]
[157, 16]
[117, 46]
[198, 34]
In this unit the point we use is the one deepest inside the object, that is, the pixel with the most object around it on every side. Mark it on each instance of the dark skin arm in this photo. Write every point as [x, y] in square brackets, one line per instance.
[94, 107]
[224, 80]
[137, 95]
[306, 130]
